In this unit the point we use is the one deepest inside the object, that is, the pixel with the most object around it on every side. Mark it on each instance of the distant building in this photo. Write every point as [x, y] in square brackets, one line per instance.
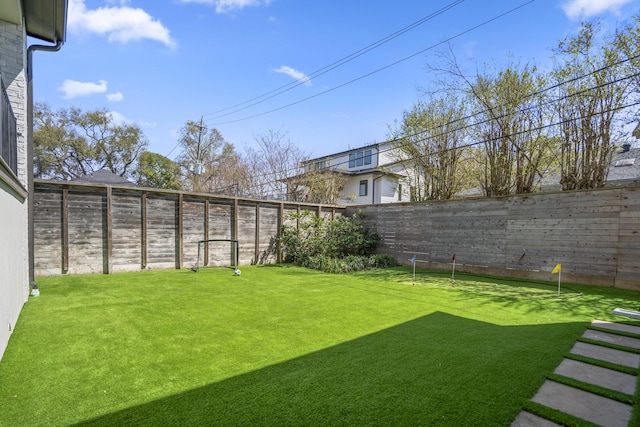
[367, 175]
[104, 177]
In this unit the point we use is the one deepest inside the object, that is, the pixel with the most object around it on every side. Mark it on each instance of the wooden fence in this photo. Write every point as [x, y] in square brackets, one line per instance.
[595, 235]
[87, 228]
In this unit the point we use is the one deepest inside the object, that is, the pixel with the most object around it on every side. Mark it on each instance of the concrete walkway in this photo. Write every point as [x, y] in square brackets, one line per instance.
[583, 404]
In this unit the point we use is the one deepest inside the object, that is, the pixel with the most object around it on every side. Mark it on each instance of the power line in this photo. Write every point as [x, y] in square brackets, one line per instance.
[379, 69]
[356, 54]
[285, 88]
[539, 128]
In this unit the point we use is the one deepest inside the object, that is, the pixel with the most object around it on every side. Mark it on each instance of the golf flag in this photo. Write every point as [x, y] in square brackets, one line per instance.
[453, 266]
[557, 269]
[413, 261]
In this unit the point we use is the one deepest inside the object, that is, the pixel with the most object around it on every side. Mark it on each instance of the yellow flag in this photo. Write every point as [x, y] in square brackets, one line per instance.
[557, 268]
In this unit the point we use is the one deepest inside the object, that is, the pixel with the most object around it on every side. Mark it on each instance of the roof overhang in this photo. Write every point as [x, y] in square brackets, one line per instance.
[44, 19]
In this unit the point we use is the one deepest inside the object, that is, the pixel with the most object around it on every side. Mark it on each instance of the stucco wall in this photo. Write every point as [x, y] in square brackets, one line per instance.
[14, 251]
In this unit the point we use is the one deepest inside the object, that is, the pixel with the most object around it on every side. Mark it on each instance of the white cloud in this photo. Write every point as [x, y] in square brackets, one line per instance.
[119, 23]
[298, 75]
[117, 118]
[73, 89]
[579, 9]
[226, 6]
[115, 97]
[148, 124]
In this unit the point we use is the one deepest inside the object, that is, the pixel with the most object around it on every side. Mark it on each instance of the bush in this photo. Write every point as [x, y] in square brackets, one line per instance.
[341, 245]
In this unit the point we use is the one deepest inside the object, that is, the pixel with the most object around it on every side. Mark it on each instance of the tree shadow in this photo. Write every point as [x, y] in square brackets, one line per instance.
[438, 369]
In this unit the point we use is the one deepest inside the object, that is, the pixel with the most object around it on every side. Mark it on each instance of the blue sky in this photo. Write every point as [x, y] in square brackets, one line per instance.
[159, 63]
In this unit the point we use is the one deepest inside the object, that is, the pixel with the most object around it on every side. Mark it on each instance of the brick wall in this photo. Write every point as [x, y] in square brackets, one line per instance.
[12, 69]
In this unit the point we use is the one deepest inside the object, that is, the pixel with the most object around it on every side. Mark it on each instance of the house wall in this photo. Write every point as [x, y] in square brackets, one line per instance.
[14, 250]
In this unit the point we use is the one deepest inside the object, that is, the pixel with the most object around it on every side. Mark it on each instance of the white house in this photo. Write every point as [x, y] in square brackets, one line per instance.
[42, 20]
[370, 174]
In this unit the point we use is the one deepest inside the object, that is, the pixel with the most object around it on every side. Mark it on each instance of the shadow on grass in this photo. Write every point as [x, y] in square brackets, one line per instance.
[438, 369]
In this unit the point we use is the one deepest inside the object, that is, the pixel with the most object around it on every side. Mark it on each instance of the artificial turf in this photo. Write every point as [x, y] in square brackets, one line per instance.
[283, 345]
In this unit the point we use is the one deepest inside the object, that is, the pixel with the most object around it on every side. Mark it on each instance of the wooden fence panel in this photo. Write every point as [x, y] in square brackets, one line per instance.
[162, 231]
[192, 231]
[220, 224]
[48, 233]
[247, 233]
[268, 231]
[127, 231]
[87, 232]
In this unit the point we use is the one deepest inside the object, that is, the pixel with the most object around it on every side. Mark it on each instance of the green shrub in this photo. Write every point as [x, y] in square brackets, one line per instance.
[340, 245]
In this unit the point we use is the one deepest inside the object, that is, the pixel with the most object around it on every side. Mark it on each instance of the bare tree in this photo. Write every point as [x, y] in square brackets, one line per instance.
[275, 165]
[428, 145]
[508, 117]
[210, 163]
[591, 95]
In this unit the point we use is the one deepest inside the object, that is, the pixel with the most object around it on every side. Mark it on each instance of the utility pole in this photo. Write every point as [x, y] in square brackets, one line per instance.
[197, 169]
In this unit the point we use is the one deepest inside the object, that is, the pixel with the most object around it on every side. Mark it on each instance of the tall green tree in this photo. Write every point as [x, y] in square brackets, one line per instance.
[69, 143]
[157, 171]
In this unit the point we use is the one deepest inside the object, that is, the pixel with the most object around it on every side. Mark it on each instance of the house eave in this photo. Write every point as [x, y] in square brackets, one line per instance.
[46, 20]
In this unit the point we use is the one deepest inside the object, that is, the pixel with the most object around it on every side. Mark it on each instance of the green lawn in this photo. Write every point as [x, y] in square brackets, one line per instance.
[289, 346]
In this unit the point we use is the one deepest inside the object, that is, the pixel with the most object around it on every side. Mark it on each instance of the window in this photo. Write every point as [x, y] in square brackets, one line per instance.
[320, 165]
[367, 157]
[8, 132]
[360, 158]
[364, 184]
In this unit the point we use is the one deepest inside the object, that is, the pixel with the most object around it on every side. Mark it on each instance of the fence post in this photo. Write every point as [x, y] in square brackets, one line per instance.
[106, 266]
[65, 229]
[143, 229]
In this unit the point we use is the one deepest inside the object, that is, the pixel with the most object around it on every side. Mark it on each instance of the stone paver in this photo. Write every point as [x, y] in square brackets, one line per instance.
[617, 326]
[580, 403]
[611, 355]
[607, 378]
[587, 406]
[612, 338]
[527, 419]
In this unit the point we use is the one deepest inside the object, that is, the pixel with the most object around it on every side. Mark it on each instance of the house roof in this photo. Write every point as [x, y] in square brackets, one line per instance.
[104, 176]
[44, 20]
[351, 150]
[625, 166]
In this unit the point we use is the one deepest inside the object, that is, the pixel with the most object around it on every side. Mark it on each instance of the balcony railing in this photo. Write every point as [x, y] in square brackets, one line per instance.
[8, 132]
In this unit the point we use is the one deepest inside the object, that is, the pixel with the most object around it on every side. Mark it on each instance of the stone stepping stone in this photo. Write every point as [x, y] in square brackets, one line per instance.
[606, 354]
[527, 419]
[620, 327]
[612, 338]
[607, 378]
[582, 404]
